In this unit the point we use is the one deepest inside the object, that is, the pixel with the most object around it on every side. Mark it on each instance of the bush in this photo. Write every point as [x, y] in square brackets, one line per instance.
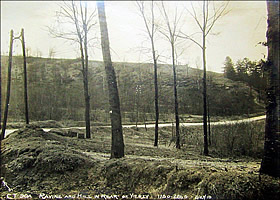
[239, 139]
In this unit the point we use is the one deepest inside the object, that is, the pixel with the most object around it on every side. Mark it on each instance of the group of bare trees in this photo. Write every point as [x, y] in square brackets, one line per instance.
[172, 32]
[82, 22]
[271, 163]
[78, 15]
[205, 26]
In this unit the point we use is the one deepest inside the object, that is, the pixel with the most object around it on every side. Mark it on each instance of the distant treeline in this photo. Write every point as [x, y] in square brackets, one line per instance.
[253, 73]
[55, 90]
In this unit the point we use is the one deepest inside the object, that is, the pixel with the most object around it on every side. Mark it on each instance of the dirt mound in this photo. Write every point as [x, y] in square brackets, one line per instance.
[162, 179]
[31, 155]
[66, 132]
[41, 124]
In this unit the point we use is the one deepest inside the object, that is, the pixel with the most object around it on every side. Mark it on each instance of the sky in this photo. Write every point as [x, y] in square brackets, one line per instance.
[236, 34]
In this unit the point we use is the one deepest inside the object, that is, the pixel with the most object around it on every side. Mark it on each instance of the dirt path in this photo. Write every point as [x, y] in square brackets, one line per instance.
[9, 131]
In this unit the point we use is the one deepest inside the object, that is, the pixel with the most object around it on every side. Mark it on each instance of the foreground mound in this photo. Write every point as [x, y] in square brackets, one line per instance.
[50, 165]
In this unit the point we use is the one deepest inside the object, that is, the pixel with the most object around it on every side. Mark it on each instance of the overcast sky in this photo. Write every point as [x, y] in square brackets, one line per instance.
[235, 34]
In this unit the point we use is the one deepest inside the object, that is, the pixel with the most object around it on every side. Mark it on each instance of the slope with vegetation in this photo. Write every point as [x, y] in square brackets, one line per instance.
[55, 91]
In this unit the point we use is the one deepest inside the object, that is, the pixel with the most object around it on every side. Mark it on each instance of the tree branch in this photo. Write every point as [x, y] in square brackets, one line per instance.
[184, 36]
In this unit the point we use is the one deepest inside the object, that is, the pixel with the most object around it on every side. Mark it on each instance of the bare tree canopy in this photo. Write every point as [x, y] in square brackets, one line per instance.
[151, 30]
[75, 23]
[205, 19]
[170, 32]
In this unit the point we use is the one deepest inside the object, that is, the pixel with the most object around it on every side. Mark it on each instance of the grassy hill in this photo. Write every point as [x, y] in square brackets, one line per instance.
[56, 91]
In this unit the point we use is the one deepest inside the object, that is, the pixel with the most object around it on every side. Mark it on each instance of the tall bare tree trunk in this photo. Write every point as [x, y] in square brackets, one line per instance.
[86, 93]
[205, 26]
[204, 80]
[204, 98]
[172, 38]
[86, 96]
[176, 100]
[8, 85]
[84, 62]
[25, 78]
[117, 148]
[156, 94]
[137, 96]
[209, 121]
[271, 160]
[151, 33]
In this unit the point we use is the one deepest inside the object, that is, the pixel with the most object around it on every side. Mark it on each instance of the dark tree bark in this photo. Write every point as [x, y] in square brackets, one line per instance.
[176, 106]
[24, 77]
[205, 151]
[8, 85]
[209, 122]
[137, 99]
[271, 160]
[117, 148]
[86, 95]
[85, 75]
[156, 96]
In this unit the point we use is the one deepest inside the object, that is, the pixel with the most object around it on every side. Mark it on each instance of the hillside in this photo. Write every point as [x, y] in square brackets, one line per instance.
[56, 91]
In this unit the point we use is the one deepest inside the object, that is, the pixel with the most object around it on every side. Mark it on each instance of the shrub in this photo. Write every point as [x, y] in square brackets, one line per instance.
[238, 139]
[235, 139]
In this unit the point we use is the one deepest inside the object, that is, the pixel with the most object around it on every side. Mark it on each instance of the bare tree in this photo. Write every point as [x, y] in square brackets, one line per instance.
[205, 26]
[137, 101]
[8, 86]
[117, 148]
[28, 52]
[77, 15]
[38, 53]
[25, 77]
[151, 30]
[52, 52]
[208, 111]
[271, 160]
[171, 34]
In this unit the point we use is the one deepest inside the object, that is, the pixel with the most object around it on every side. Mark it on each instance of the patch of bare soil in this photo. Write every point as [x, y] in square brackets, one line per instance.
[57, 164]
